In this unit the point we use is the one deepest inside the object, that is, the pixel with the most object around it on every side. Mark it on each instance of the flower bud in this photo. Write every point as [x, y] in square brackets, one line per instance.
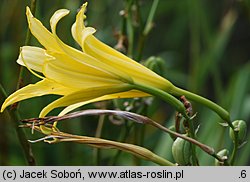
[155, 64]
[223, 154]
[181, 150]
[241, 127]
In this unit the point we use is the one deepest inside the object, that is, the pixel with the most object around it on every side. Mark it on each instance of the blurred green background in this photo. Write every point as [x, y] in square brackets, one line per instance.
[200, 45]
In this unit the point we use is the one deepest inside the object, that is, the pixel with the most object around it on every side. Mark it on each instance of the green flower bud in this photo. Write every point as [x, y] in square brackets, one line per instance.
[155, 64]
[181, 150]
[241, 127]
[223, 154]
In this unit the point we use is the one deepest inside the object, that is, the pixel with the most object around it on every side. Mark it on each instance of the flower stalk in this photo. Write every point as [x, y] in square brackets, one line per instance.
[235, 148]
[213, 106]
[165, 96]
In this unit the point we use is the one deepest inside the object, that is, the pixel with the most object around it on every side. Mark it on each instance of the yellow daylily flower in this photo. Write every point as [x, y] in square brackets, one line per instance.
[97, 72]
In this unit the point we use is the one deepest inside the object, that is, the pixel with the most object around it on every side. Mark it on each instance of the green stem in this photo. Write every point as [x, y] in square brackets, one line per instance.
[191, 133]
[149, 23]
[124, 136]
[14, 109]
[130, 30]
[140, 47]
[216, 108]
[136, 160]
[235, 149]
[178, 105]
[33, 10]
[146, 30]
[27, 41]
[209, 150]
[96, 151]
[20, 133]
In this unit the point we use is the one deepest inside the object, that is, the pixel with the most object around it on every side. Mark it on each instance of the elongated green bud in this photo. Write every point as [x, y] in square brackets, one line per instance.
[241, 128]
[223, 154]
[181, 150]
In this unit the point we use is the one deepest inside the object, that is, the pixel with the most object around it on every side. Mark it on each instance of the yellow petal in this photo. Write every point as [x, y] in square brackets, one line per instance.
[70, 63]
[79, 31]
[41, 33]
[75, 35]
[33, 57]
[80, 56]
[43, 87]
[138, 72]
[84, 95]
[78, 26]
[80, 17]
[73, 79]
[128, 94]
[65, 70]
[81, 36]
[94, 47]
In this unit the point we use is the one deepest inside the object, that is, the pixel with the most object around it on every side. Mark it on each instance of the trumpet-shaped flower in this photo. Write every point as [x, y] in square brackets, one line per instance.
[97, 72]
